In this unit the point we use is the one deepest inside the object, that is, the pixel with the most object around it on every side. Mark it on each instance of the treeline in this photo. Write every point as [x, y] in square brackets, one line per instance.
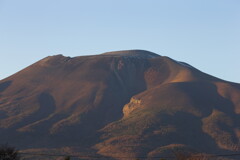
[11, 153]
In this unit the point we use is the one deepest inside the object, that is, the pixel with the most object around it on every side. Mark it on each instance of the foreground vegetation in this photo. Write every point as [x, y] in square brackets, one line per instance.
[10, 153]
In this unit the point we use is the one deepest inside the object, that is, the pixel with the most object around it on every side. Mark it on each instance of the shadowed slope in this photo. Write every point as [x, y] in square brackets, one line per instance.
[4, 85]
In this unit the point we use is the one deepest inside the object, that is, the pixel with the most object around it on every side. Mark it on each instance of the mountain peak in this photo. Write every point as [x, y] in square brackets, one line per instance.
[102, 103]
[132, 53]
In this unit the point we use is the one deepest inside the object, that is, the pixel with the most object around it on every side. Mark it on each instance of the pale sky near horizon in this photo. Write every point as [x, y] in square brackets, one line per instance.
[203, 33]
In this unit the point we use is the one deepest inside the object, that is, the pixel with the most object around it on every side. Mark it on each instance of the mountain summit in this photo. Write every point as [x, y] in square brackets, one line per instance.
[132, 53]
[133, 103]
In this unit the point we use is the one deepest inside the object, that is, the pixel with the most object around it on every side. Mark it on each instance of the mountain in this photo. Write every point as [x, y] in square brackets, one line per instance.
[131, 103]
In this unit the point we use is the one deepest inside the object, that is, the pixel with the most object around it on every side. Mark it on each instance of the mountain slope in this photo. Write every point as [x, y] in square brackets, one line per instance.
[132, 103]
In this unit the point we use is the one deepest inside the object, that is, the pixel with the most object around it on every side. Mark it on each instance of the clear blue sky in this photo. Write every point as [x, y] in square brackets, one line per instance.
[203, 33]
